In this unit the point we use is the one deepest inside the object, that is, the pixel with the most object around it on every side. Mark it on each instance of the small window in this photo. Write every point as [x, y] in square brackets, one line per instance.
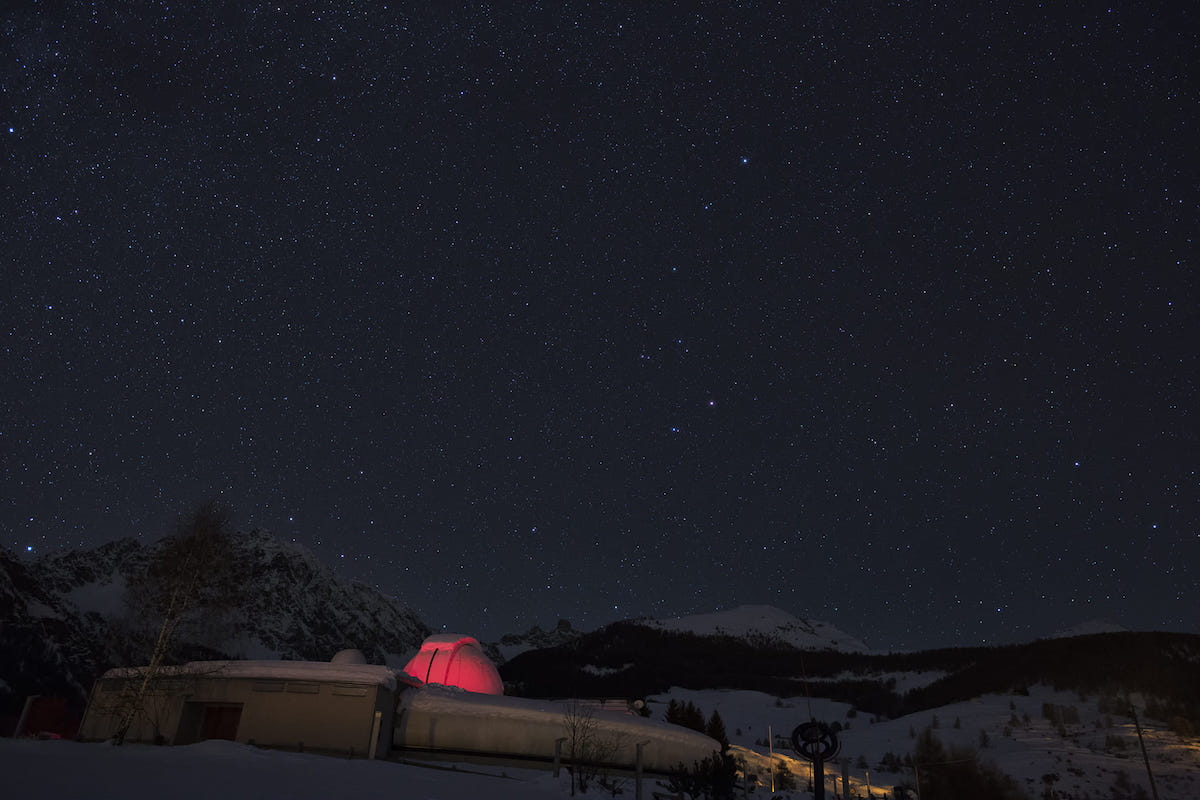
[304, 687]
[349, 690]
[268, 686]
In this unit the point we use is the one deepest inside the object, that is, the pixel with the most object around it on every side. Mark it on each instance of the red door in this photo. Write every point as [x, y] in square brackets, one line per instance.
[221, 721]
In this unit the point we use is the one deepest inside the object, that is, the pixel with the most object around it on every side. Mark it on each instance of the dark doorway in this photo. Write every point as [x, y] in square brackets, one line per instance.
[221, 721]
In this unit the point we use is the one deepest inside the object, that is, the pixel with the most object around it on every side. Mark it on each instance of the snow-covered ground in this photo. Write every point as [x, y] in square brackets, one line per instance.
[901, 682]
[1087, 761]
[219, 769]
[1089, 628]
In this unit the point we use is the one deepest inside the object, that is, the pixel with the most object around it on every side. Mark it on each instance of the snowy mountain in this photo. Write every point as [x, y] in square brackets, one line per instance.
[302, 610]
[757, 625]
[1089, 628]
[46, 643]
[762, 626]
[66, 619]
[513, 644]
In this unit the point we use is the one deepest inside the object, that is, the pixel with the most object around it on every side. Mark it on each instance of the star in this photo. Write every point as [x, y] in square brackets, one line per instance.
[433, 307]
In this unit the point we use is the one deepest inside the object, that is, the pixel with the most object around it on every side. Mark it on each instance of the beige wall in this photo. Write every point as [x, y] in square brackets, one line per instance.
[292, 714]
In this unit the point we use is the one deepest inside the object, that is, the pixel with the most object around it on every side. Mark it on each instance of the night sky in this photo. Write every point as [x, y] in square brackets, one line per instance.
[887, 317]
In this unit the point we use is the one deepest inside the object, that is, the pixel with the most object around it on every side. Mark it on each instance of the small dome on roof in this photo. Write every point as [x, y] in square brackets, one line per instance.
[454, 660]
[351, 656]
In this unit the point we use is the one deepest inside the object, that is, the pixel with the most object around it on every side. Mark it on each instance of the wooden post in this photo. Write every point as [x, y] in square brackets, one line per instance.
[375, 726]
[558, 743]
[638, 770]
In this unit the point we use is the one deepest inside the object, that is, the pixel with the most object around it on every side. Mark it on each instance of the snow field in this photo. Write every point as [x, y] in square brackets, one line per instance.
[1086, 761]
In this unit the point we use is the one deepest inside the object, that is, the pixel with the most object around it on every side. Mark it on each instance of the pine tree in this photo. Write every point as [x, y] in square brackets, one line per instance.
[785, 781]
[714, 777]
[716, 730]
[693, 717]
[958, 773]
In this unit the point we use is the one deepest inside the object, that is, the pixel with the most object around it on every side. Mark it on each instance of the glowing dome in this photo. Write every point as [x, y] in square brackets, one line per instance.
[453, 660]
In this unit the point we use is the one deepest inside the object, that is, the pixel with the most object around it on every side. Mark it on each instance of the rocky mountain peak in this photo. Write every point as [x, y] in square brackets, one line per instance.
[66, 616]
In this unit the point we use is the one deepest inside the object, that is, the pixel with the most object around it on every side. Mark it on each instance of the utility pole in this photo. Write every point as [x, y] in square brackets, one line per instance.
[1146, 758]
[771, 750]
[638, 768]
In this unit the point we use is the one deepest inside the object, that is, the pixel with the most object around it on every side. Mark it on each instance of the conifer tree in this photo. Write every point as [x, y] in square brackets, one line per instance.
[693, 717]
[716, 730]
[674, 714]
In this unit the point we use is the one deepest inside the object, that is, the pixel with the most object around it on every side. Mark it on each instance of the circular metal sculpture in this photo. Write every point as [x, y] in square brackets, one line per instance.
[815, 740]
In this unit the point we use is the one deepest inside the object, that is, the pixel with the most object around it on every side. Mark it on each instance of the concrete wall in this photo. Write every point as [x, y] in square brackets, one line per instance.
[430, 719]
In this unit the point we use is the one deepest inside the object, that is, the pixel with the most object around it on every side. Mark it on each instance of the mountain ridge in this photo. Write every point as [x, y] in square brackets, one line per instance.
[66, 617]
[764, 625]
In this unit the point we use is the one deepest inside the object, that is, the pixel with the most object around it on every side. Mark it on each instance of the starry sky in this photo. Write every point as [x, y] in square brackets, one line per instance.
[886, 316]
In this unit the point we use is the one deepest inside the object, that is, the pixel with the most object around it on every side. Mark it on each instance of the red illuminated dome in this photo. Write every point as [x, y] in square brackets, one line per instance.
[453, 660]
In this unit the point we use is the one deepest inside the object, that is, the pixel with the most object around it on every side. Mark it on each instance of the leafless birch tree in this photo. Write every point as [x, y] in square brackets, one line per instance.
[194, 571]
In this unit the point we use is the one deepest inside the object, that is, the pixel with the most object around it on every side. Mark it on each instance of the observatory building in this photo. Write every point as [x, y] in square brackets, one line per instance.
[447, 704]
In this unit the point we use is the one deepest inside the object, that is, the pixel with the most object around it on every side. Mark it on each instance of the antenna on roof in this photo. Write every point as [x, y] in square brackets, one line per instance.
[804, 680]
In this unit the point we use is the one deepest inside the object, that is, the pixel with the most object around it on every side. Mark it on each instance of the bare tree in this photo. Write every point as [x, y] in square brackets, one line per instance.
[193, 571]
[159, 700]
[590, 749]
[579, 725]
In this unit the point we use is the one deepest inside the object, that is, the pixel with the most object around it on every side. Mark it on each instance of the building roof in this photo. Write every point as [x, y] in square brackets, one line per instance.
[320, 671]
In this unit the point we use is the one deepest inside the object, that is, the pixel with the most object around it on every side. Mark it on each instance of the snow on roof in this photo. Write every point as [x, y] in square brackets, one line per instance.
[323, 671]
[351, 656]
[450, 701]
